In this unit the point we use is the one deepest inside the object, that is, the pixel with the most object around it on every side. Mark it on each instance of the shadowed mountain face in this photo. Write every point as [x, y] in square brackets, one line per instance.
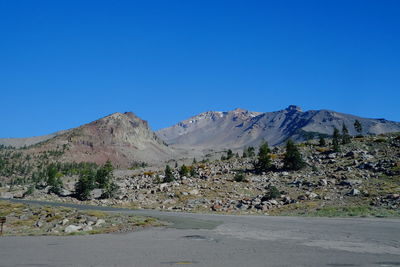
[121, 138]
[239, 128]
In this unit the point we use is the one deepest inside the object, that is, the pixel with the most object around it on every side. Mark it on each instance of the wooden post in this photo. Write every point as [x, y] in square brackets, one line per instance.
[2, 221]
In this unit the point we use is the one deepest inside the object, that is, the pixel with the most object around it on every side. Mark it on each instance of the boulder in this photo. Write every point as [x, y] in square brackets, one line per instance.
[7, 195]
[64, 193]
[87, 228]
[194, 192]
[354, 192]
[72, 228]
[96, 193]
[100, 222]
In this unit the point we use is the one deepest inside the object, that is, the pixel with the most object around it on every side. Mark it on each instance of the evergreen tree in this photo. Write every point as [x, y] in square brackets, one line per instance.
[193, 172]
[322, 141]
[85, 184]
[54, 179]
[293, 160]
[346, 139]
[263, 163]
[229, 154]
[251, 152]
[358, 127]
[335, 140]
[244, 155]
[104, 175]
[184, 170]
[104, 180]
[110, 190]
[194, 161]
[169, 177]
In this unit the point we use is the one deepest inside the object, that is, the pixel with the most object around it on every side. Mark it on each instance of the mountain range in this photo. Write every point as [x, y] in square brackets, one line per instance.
[125, 139]
[239, 128]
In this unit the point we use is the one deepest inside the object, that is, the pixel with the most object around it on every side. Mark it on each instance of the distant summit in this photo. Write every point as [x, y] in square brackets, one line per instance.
[239, 128]
[294, 108]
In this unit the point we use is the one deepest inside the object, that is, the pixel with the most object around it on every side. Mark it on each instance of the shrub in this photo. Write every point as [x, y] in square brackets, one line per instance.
[30, 190]
[240, 177]
[272, 193]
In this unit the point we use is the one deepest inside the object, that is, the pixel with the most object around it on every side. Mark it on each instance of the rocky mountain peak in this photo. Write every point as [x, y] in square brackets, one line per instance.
[239, 128]
[293, 108]
[239, 110]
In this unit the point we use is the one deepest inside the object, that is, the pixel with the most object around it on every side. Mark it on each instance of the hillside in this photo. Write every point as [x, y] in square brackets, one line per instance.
[362, 179]
[122, 138]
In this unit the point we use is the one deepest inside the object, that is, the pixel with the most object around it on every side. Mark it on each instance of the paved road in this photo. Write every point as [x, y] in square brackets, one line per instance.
[217, 240]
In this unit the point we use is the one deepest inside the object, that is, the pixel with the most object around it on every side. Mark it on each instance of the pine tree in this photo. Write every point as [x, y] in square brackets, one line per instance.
[54, 179]
[322, 141]
[104, 175]
[85, 184]
[104, 180]
[244, 155]
[263, 163]
[251, 152]
[358, 127]
[184, 170]
[169, 177]
[346, 139]
[335, 140]
[293, 160]
[229, 154]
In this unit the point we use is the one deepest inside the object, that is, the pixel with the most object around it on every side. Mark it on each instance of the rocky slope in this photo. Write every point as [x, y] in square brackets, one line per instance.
[239, 128]
[362, 179]
[122, 138]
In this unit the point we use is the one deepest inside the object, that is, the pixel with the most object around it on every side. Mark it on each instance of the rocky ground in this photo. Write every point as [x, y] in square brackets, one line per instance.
[363, 179]
[24, 219]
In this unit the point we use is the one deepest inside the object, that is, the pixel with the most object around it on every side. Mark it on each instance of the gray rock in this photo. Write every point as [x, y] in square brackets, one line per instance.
[194, 192]
[72, 228]
[65, 193]
[100, 222]
[354, 192]
[87, 228]
[323, 182]
[6, 195]
[96, 193]
[313, 195]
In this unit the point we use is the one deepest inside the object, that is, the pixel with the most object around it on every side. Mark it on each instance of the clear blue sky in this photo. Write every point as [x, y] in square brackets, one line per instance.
[65, 63]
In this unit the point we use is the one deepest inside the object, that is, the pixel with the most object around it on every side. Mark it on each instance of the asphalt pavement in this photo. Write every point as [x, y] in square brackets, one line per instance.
[217, 240]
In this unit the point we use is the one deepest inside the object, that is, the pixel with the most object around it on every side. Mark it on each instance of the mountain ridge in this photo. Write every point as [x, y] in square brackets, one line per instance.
[239, 127]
